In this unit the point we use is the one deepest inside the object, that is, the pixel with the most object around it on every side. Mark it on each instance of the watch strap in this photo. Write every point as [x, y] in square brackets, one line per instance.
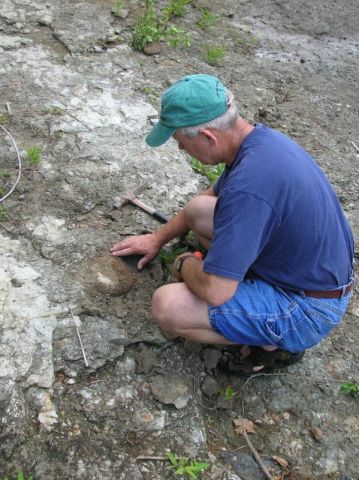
[180, 262]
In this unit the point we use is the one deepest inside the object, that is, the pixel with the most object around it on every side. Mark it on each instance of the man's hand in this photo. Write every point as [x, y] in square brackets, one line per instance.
[146, 245]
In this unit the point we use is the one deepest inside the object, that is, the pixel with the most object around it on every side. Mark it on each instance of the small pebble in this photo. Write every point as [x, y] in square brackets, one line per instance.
[316, 433]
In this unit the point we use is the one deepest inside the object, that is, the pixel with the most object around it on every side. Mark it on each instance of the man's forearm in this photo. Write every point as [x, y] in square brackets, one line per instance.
[213, 289]
[176, 227]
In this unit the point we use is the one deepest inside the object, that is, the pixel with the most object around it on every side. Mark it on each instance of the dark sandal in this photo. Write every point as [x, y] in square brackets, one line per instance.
[271, 361]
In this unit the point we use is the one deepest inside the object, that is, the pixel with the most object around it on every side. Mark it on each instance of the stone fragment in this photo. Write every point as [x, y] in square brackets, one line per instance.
[146, 360]
[144, 420]
[211, 357]
[122, 13]
[153, 48]
[126, 365]
[131, 473]
[173, 389]
[8, 42]
[97, 335]
[125, 394]
[47, 415]
[316, 433]
[210, 386]
[46, 20]
[192, 347]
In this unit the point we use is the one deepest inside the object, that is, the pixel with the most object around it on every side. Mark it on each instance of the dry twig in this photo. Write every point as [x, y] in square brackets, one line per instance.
[79, 337]
[256, 456]
[144, 457]
[355, 146]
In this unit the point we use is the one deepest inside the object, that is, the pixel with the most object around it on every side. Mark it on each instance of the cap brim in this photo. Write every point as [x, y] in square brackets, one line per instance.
[159, 135]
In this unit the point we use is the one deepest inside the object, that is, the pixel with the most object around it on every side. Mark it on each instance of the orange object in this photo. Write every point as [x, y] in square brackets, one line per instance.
[198, 254]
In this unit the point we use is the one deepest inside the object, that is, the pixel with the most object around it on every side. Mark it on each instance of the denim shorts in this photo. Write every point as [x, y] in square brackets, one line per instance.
[262, 314]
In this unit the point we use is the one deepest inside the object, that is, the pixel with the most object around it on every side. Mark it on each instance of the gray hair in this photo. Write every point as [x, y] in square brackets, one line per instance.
[222, 123]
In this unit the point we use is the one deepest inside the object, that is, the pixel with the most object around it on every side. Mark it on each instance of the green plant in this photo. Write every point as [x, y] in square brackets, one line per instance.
[5, 174]
[207, 19]
[55, 110]
[214, 54]
[4, 119]
[167, 256]
[228, 393]
[117, 8]
[2, 192]
[147, 28]
[151, 28]
[175, 8]
[34, 155]
[2, 213]
[350, 388]
[20, 476]
[211, 172]
[185, 466]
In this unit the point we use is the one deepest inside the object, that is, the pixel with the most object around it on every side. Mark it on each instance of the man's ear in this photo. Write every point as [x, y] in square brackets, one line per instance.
[211, 135]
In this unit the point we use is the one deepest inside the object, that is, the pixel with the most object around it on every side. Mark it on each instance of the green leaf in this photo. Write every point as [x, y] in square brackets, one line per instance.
[190, 473]
[350, 388]
[20, 475]
[172, 458]
[180, 471]
[229, 393]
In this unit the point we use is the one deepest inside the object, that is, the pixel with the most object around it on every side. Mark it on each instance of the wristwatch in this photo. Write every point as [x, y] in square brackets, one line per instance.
[180, 261]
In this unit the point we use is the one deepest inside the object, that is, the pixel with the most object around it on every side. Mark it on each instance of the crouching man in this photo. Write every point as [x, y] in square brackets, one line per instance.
[278, 272]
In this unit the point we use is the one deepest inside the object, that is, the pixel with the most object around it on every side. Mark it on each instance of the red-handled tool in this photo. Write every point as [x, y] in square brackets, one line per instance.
[132, 198]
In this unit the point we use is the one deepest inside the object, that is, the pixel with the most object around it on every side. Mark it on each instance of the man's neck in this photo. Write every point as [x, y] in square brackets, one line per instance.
[234, 139]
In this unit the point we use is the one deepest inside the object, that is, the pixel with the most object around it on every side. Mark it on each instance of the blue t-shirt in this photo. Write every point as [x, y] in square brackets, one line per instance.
[278, 216]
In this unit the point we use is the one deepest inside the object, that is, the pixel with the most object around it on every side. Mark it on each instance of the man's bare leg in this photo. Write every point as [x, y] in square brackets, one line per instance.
[179, 312]
[199, 217]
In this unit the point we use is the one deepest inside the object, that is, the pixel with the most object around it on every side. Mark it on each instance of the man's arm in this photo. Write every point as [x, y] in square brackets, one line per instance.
[213, 289]
[149, 245]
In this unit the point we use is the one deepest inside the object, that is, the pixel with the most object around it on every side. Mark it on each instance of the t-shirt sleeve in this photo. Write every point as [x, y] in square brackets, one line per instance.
[243, 224]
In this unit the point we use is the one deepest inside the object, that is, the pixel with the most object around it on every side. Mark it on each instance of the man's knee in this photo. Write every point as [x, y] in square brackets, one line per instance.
[199, 212]
[162, 308]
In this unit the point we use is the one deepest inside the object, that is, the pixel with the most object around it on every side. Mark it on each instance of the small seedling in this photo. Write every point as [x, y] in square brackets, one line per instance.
[55, 111]
[228, 393]
[185, 466]
[214, 54]
[211, 172]
[350, 388]
[2, 213]
[117, 8]
[247, 40]
[150, 91]
[2, 192]
[4, 119]
[4, 174]
[34, 155]
[207, 19]
[175, 8]
[20, 476]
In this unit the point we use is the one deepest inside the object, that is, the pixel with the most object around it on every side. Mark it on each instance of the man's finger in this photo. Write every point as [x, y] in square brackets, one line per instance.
[122, 252]
[143, 262]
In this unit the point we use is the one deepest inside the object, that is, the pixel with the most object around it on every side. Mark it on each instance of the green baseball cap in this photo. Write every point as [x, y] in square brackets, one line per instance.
[191, 101]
